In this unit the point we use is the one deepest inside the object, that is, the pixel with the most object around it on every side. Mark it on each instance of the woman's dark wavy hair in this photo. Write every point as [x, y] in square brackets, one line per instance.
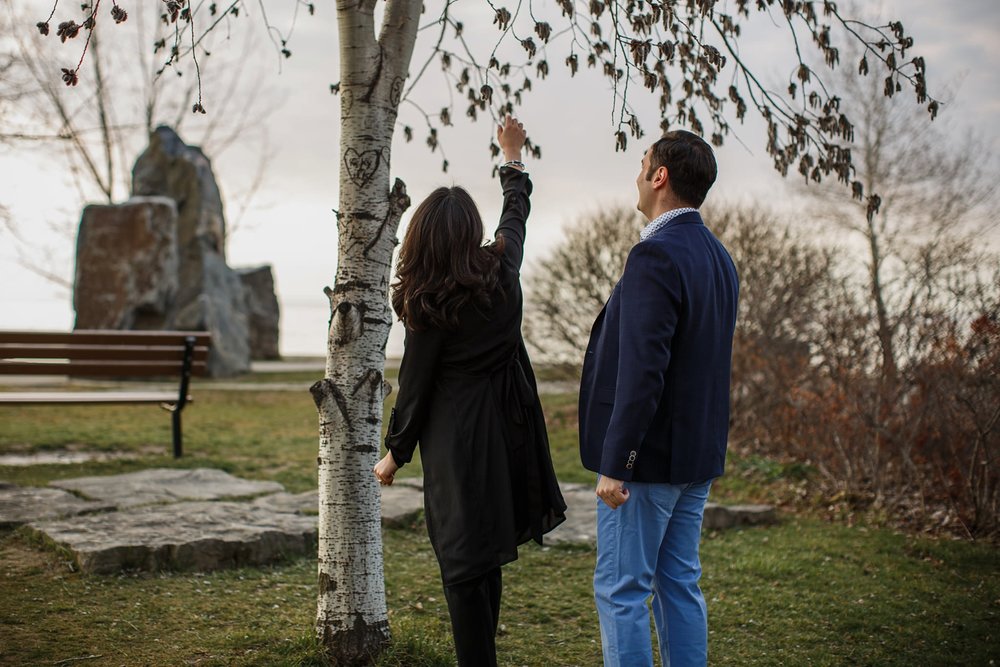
[443, 264]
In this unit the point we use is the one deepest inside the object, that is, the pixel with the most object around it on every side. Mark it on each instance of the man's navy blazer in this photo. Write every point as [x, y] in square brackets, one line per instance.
[654, 396]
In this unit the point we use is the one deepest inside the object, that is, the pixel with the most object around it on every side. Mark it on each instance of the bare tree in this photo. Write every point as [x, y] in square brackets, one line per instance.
[567, 288]
[676, 49]
[99, 135]
[937, 200]
[786, 284]
[955, 402]
[10, 92]
[933, 186]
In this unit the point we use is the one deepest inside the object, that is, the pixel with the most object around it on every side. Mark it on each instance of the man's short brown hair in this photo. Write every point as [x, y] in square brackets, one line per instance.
[690, 164]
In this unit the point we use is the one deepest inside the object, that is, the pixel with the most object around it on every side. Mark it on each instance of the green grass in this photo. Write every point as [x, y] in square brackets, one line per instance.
[803, 593]
[806, 592]
[260, 435]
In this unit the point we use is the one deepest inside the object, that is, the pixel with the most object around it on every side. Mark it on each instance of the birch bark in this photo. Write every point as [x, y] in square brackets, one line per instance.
[352, 620]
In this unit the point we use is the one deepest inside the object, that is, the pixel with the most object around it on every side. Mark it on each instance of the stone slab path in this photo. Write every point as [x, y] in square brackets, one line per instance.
[580, 526]
[198, 536]
[203, 519]
[165, 485]
[19, 505]
[62, 457]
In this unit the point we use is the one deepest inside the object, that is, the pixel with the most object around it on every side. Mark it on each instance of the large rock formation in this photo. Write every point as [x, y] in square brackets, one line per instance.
[210, 295]
[126, 264]
[122, 283]
[263, 311]
[171, 168]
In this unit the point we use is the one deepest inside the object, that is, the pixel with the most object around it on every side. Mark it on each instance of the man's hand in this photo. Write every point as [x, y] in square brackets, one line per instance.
[612, 492]
[511, 136]
[385, 470]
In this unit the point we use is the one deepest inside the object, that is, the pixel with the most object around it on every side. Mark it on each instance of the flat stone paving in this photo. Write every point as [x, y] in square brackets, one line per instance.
[165, 485]
[61, 457]
[199, 536]
[401, 502]
[181, 519]
[19, 505]
[580, 526]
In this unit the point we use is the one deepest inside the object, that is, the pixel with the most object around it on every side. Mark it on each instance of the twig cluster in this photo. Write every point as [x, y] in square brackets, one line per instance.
[666, 47]
[177, 13]
[677, 50]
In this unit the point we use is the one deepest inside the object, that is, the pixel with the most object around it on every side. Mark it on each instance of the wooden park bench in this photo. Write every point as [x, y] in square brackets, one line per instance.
[116, 354]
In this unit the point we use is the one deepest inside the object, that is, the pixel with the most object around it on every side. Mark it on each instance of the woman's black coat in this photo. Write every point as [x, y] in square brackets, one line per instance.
[469, 397]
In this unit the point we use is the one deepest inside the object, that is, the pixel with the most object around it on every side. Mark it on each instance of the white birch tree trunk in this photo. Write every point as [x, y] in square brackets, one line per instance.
[352, 620]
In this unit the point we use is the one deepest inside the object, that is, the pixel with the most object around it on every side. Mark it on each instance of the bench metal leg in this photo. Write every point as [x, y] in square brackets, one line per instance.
[176, 419]
[182, 395]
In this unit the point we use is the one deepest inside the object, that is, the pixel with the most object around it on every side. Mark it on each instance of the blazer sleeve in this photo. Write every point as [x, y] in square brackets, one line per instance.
[650, 306]
[417, 375]
[516, 206]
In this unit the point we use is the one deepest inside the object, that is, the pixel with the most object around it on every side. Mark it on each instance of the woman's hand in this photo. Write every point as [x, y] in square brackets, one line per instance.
[385, 470]
[511, 136]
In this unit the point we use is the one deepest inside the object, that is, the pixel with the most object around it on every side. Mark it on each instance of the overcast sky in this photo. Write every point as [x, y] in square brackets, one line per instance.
[290, 224]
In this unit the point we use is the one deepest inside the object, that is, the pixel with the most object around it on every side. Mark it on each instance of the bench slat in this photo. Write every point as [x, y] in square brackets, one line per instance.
[108, 336]
[87, 368]
[86, 397]
[88, 351]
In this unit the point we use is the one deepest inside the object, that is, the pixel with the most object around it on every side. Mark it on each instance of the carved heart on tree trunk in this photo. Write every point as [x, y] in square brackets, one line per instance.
[362, 166]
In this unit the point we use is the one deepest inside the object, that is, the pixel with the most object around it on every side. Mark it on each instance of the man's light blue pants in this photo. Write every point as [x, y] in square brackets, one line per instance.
[649, 546]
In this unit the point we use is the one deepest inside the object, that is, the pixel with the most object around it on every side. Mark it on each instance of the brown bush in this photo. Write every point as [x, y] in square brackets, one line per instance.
[916, 439]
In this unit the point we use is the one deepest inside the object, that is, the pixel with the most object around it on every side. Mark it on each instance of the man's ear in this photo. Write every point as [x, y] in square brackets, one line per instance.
[660, 177]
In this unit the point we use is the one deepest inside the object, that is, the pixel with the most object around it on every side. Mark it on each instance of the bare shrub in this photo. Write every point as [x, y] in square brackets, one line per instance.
[918, 444]
[568, 288]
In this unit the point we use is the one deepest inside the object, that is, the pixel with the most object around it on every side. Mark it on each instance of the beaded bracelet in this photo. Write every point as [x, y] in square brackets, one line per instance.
[517, 164]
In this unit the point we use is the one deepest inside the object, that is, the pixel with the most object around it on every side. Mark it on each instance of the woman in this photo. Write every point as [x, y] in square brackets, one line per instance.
[468, 396]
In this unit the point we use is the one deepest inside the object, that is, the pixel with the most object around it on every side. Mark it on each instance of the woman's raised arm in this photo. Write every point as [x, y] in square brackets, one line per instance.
[516, 189]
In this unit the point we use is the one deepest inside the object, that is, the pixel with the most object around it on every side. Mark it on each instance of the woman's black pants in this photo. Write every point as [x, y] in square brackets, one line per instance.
[474, 607]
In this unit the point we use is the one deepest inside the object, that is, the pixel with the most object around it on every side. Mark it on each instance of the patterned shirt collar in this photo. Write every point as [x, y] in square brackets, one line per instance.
[658, 224]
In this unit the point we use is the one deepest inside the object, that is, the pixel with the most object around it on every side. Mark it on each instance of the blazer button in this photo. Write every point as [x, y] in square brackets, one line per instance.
[628, 466]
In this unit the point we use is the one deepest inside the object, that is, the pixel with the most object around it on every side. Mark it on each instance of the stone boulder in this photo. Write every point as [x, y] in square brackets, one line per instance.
[218, 306]
[186, 536]
[724, 517]
[126, 264]
[262, 310]
[164, 485]
[20, 505]
[159, 262]
[170, 168]
[210, 295]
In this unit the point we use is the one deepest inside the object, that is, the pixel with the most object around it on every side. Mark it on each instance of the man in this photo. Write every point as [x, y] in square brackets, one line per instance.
[654, 412]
